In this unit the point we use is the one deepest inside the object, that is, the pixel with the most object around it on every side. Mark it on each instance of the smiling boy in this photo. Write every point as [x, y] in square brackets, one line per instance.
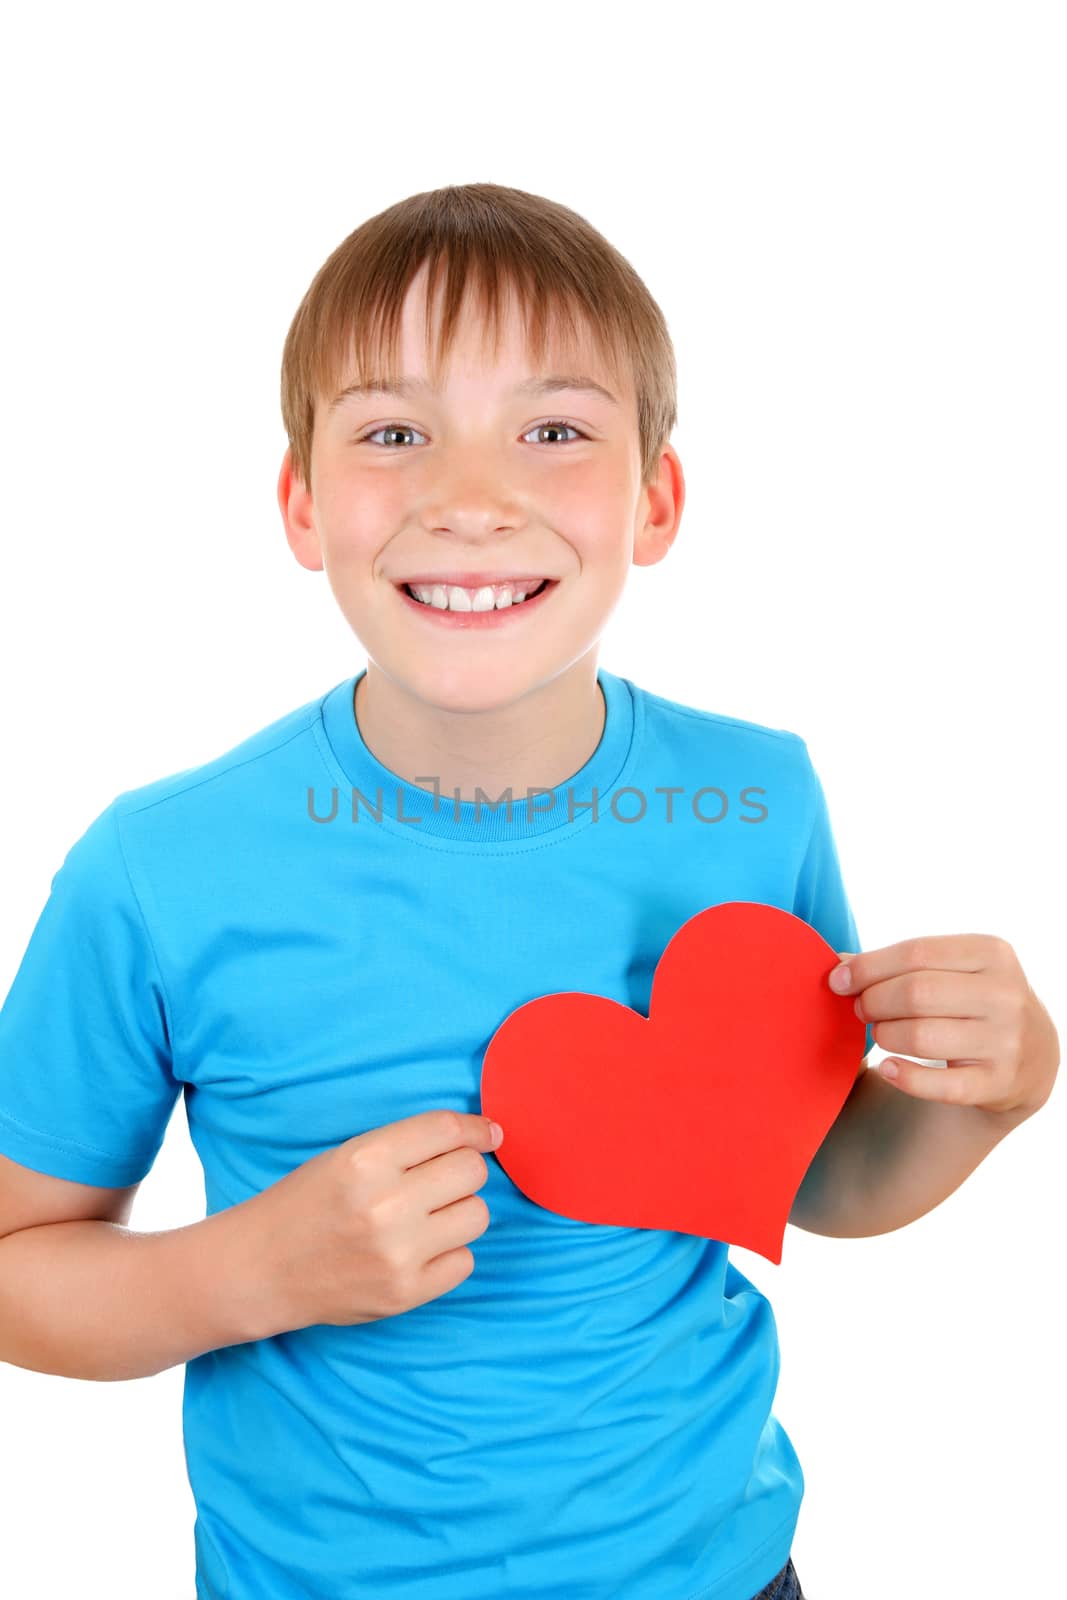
[584, 1410]
[471, 485]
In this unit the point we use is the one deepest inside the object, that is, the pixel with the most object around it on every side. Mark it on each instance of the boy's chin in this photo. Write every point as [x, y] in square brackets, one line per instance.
[465, 688]
[469, 692]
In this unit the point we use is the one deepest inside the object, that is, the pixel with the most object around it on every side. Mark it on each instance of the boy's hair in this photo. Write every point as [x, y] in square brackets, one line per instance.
[492, 239]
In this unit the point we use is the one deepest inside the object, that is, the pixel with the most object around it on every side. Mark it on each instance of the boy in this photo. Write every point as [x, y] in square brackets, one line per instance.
[315, 935]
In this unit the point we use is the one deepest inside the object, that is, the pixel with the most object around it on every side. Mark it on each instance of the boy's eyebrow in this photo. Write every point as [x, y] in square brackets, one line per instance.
[406, 387]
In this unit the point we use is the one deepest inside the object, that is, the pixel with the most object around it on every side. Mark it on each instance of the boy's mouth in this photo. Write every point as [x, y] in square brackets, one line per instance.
[469, 606]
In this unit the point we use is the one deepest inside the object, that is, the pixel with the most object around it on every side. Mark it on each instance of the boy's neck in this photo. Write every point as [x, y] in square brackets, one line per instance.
[536, 743]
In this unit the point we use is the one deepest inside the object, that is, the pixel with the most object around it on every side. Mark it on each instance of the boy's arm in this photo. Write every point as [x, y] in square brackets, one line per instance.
[93, 1300]
[897, 1150]
[889, 1158]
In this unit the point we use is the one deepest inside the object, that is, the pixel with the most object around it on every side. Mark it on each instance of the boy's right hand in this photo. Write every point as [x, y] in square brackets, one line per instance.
[376, 1225]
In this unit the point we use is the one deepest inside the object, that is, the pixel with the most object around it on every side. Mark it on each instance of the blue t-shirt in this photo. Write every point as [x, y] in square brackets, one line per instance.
[589, 1413]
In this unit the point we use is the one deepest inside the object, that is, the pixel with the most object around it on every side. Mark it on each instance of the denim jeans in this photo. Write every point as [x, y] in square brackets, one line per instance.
[786, 1586]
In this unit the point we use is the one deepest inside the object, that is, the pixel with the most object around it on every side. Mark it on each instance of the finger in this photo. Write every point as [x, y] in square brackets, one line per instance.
[951, 952]
[927, 994]
[934, 1038]
[959, 1086]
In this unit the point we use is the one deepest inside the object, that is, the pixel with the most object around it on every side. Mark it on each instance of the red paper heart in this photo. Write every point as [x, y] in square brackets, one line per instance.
[702, 1117]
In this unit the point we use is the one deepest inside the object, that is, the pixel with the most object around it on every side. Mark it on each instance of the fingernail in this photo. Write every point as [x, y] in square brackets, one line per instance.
[841, 978]
[496, 1133]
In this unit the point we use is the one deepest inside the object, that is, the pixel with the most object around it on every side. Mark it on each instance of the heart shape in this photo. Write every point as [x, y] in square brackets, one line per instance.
[702, 1117]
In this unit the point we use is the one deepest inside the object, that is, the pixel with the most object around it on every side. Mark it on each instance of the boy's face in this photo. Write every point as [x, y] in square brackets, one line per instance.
[470, 482]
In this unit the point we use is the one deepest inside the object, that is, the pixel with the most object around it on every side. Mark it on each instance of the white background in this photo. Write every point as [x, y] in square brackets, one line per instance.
[852, 216]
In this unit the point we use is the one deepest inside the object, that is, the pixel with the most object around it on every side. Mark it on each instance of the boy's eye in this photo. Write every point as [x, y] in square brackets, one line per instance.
[390, 427]
[403, 427]
[557, 425]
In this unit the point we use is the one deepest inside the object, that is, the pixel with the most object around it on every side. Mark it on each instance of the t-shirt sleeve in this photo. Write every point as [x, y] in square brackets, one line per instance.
[86, 1080]
[820, 896]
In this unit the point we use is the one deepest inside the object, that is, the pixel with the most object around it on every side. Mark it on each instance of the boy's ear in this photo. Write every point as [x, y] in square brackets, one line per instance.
[295, 504]
[663, 500]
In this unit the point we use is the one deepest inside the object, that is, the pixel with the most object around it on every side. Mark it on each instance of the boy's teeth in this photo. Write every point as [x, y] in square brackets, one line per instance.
[452, 598]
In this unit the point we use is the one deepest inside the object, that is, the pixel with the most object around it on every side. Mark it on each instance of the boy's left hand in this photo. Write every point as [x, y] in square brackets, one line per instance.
[963, 999]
